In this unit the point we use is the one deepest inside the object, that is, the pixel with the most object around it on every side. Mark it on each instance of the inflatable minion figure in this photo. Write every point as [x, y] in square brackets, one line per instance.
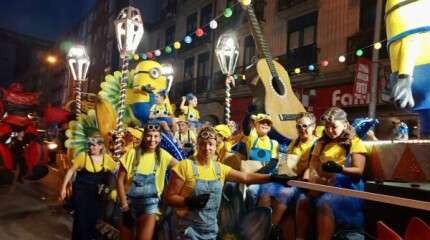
[408, 38]
[148, 80]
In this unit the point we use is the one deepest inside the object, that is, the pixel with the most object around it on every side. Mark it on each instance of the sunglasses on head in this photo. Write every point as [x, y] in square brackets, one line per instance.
[206, 134]
[331, 118]
[153, 127]
[304, 126]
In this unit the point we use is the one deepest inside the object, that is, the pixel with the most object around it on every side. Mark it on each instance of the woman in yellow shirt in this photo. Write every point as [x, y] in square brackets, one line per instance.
[91, 170]
[140, 182]
[195, 189]
[338, 159]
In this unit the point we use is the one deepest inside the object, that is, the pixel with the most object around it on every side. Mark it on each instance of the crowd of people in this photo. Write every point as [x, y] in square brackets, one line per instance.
[195, 185]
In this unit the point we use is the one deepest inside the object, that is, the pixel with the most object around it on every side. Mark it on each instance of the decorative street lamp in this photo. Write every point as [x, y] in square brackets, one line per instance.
[79, 63]
[129, 31]
[227, 52]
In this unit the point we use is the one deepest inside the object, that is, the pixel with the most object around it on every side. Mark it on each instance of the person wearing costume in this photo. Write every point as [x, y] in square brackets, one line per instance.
[398, 130]
[195, 189]
[338, 159]
[190, 111]
[261, 149]
[300, 150]
[223, 145]
[133, 137]
[91, 170]
[162, 114]
[186, 138]
[140, 183]
[17, 151]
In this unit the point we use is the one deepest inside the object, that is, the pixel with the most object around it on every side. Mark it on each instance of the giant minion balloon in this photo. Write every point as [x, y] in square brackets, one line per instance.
[148, 80]
[408, 34]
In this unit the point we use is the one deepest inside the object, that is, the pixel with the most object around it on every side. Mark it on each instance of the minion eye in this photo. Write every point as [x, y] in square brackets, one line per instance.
[155, 72]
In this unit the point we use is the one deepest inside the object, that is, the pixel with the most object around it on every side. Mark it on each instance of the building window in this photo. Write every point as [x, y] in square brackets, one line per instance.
[203, 71]
[205, 18]
[249, 51]
[110, 25]
[189, 68]
[170, 35]
[191, 23]
[301, 41]
[368, 13]
[108, 52]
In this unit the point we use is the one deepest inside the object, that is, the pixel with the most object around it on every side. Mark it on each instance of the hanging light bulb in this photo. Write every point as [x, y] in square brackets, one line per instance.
[297, 70]
[213, 24]
[377, 45]
[342, 59]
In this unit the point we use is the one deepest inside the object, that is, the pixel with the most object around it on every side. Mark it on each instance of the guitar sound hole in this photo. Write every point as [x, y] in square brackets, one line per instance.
[278, 86]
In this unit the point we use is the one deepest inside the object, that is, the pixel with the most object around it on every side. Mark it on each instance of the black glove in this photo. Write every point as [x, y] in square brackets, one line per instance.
[281, 178]
[148, 88]
[269, 166]
[127, 219]
[332, 167]
[198, 201]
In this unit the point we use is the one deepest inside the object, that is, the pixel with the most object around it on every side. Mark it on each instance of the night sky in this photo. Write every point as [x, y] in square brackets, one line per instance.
[44, 19]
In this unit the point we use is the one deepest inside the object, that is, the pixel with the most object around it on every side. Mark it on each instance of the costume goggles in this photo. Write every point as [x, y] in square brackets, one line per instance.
[95, 140]
[153, 127]
[207, 134]
[331, 118]
[304, 126]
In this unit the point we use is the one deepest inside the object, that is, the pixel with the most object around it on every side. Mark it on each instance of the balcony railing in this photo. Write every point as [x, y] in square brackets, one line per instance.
[286, 4]
[204, 84]
[365, 39]
[168, 12]
[299, 57]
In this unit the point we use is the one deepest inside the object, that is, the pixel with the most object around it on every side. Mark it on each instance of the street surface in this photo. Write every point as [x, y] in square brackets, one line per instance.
[29, 210]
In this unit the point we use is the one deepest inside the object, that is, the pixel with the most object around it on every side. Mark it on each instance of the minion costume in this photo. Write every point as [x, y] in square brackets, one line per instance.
[86, 200]
[162, 109]
[262, 149]
[347, 210]
[189, 137]
[408, 34]
[191, 113]
[145, 179]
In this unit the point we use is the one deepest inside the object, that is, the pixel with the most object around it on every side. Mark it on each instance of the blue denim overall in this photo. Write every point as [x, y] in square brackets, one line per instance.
[87, 202]
[168, 120]
[142, 197]
[347, 210]
[200, 224]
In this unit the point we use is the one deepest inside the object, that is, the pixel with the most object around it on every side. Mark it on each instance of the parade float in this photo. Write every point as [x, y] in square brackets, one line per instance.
[126, 97]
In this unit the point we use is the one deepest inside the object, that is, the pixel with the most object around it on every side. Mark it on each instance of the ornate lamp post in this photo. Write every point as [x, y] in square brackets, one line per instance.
[129, 31]
[79, 63]
[227, 52]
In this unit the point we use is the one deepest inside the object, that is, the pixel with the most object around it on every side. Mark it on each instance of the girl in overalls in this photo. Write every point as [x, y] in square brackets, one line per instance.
[300, 148]
[338, 159]
[190, 111]
[91, 170]
[140, 183]
[195, 189]
[162, 113]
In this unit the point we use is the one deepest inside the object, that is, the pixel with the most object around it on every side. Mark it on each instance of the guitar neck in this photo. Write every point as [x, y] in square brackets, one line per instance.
[257, 34]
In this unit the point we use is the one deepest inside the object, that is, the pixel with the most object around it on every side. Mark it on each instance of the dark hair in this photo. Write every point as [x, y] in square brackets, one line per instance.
[344, 139]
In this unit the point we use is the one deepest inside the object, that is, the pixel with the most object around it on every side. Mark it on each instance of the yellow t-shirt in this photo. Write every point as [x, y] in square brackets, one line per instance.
[146, 166]
[302, 149]
[79, 163]
[183, 137]
[192, 114]
[159, 109]
[333, 151]
[263, 143]
[185, 172]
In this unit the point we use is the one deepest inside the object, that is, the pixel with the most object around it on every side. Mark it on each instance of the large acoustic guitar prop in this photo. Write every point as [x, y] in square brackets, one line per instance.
[270, 84]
